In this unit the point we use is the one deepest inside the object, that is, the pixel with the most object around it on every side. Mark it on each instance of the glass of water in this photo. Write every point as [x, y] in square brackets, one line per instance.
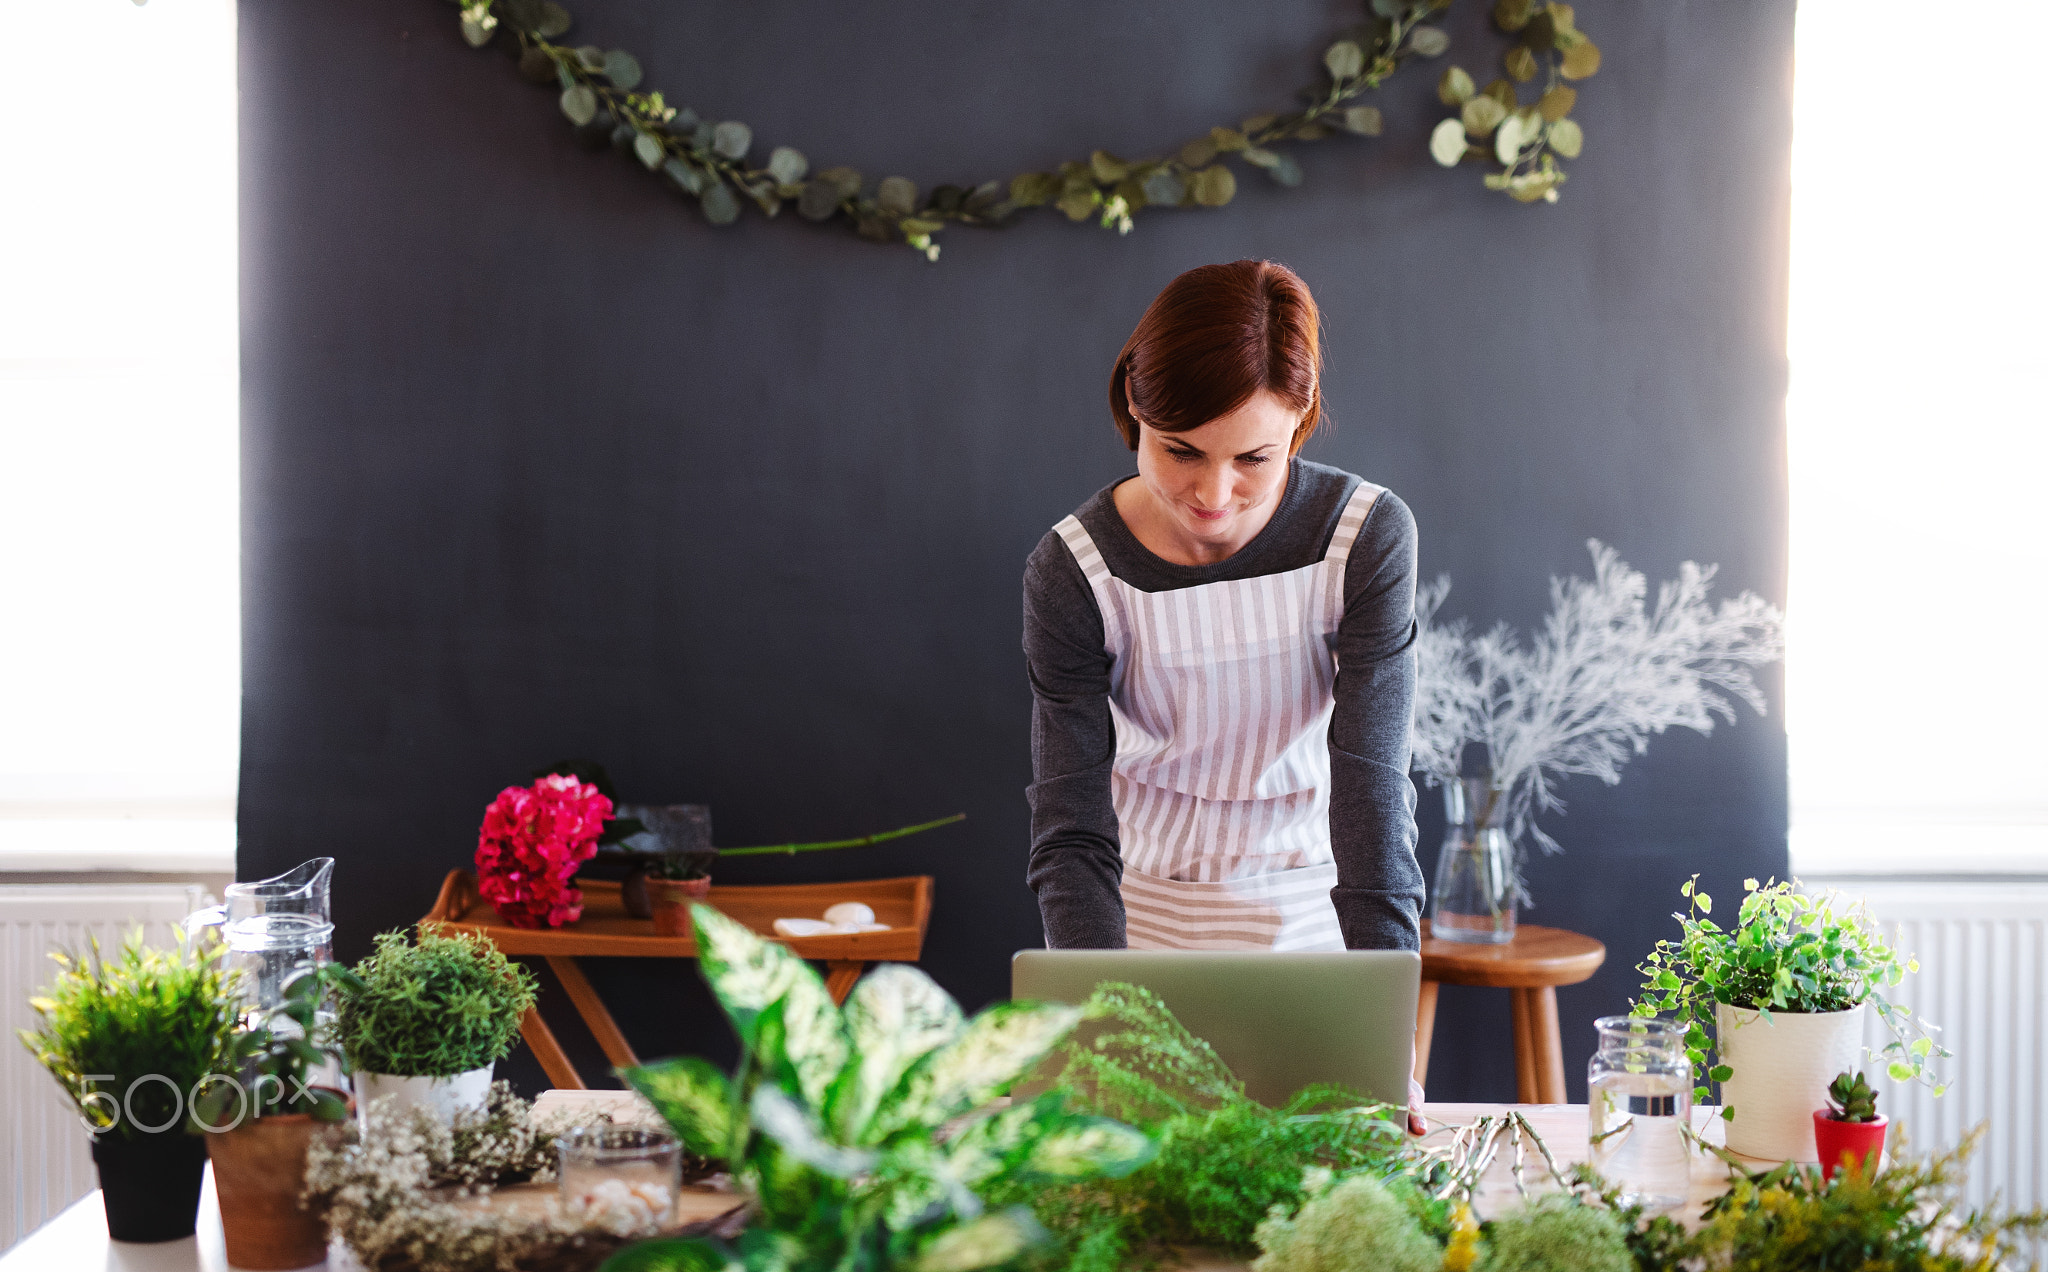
[1639, 1106]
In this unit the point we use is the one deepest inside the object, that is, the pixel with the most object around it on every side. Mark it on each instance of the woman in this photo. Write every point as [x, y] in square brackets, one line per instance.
[1221, 658]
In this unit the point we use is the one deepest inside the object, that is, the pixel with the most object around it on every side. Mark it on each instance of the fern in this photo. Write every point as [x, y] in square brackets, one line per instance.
[1224, 1159]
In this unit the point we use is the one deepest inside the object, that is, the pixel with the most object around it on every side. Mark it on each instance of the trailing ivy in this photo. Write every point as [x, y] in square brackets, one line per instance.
[715, 162]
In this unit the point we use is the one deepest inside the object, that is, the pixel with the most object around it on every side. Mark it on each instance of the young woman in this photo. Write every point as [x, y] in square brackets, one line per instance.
[1221, 655]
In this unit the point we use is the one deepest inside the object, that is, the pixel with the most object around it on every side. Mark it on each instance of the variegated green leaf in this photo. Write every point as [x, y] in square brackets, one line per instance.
[896, 1016]
[921, 1186]
[997, 1048]
[784, 1121]
[1088, 1147]
[695, 1098]
[748, 973]
[983, 1243]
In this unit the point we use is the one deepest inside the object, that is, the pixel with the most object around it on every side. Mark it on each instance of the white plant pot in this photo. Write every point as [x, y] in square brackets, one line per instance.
[443, 1095]
[1782, 1070]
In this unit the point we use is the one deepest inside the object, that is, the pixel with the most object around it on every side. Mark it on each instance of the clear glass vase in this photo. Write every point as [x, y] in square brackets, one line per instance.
[1475, 871]
[1638, 1106]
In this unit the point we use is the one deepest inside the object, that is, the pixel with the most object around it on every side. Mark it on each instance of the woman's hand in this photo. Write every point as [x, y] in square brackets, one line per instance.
[1416, 1126]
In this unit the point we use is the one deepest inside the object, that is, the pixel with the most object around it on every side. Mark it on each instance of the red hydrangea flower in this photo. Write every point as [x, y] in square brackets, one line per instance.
[532, 841]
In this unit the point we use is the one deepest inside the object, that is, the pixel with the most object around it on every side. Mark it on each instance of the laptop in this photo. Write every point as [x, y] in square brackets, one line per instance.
[1280, 1020]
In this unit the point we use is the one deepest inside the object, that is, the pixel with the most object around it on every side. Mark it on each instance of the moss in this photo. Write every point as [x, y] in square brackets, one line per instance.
[1557, 1233]
[1357, 1224]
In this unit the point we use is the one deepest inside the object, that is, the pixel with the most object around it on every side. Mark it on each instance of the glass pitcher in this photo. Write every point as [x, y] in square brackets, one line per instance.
[1638, 1107]
[272, 927]
[1475, 869]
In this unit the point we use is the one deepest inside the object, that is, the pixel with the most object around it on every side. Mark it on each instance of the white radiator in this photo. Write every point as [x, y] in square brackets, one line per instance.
[1983, 950]
[45, 1161]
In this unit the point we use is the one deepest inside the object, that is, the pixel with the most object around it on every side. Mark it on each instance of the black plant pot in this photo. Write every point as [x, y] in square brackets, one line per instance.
[150, 1184]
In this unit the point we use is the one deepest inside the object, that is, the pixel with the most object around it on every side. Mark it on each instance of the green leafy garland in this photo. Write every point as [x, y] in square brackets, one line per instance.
[600, 95]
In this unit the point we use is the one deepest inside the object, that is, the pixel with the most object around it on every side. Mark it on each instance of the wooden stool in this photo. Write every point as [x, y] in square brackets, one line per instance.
[1530, 968]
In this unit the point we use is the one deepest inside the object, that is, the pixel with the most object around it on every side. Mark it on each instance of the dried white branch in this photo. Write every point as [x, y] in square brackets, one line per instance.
[1604, 674]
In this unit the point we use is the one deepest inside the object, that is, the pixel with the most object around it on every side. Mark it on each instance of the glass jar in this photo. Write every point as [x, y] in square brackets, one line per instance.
[1475, 869]
[1638, 1107]
[626, 1178]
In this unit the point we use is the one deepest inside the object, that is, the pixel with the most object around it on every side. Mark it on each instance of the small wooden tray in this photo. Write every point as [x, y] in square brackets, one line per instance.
[905, 904]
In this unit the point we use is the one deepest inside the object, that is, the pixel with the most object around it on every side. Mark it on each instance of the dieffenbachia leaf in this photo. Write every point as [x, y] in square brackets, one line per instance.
[982, 1243]
[694, 1097]
[748, 973]
[896, 1016]
[998, 1046]
[785, 1121]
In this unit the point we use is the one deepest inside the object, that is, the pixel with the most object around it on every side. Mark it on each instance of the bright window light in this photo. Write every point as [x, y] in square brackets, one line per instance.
[120, 700]
[1918, 434]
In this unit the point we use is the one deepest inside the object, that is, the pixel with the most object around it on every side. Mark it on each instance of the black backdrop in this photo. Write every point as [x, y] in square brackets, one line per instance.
[536, 463]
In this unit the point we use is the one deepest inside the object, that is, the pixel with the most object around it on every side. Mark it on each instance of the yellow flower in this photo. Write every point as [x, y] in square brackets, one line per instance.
[1463, 1250]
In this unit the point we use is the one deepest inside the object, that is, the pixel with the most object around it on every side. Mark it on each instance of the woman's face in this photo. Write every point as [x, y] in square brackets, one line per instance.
[1217, 485]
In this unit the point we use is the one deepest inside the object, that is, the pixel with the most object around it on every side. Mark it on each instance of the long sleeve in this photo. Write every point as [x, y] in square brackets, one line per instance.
[1379, 892]
[1075, 867]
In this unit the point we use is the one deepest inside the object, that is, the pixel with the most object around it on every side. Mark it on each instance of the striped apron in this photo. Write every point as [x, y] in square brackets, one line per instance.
[1221, 697]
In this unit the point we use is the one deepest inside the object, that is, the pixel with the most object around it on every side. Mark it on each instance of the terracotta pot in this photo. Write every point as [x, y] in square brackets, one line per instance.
[672, 898]
[150, 1184]
[1782, 1069]
[259, 1169]
[1857, 1145]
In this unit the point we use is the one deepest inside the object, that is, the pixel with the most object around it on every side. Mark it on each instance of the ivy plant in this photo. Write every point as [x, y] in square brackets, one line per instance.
[717, 163]
[1787, 952]
[869, 1137]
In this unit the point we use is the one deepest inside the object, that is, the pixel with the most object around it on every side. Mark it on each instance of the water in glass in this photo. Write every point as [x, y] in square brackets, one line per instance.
[1639, 1104]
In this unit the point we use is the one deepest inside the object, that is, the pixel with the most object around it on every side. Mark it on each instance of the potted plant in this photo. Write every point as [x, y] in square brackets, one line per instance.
[673, 883]
[1850, 1131]
[259, 1128]
[1784, 991]
[425, 1024]
[131, 1041]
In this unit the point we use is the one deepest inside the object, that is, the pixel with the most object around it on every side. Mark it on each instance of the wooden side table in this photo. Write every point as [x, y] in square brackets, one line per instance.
[607, 931]
[1530, 967]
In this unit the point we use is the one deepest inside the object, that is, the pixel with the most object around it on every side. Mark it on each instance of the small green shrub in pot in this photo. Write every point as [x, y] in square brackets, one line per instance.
[428, 1021]
[133, 1041]
[1783, 991]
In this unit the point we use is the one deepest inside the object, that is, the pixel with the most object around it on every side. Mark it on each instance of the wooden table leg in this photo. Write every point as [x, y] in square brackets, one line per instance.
[1525, 1045]
[1549, 1048]
[592, 1009]
[1425, 1029]
[840, 975]
[541, 1041]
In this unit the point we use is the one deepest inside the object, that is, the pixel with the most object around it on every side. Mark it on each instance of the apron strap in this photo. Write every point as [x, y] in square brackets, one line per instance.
[1349, 524]
[1086, 554]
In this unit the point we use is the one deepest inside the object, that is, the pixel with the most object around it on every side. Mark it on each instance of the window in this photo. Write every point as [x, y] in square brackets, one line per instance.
[119, 706]
[1919, 437]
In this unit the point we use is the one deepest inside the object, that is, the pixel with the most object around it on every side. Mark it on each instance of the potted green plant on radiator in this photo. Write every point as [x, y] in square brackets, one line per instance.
[1784, 992]
[129, 1040]
[426, 1023]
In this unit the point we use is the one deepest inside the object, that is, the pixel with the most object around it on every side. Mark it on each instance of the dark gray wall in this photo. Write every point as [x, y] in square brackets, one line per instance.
[538, 464]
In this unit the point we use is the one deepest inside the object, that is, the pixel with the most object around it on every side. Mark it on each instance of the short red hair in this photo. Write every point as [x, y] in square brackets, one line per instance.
[1215, 336]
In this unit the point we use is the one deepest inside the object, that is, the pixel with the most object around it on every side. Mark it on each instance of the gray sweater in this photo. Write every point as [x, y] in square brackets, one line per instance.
[1075, 864]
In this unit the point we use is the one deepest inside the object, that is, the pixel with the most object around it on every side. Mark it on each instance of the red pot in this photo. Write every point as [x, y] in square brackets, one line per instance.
[670, 900]
[1857, 1145]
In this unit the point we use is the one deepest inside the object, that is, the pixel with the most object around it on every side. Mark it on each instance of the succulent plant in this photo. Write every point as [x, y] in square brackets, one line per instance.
[1851, 1099]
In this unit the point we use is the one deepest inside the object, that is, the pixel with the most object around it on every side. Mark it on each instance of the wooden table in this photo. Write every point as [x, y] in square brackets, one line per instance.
[1530, 967]
[607, 931]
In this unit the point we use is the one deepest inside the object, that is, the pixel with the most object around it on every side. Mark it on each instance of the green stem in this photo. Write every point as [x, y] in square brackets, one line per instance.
[862, 842]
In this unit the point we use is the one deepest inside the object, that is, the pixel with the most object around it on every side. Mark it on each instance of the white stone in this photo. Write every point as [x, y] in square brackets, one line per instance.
[802, 927]
[850, 912]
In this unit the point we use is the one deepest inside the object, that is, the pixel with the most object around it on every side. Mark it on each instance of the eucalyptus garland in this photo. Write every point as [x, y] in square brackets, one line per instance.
[709, 159]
